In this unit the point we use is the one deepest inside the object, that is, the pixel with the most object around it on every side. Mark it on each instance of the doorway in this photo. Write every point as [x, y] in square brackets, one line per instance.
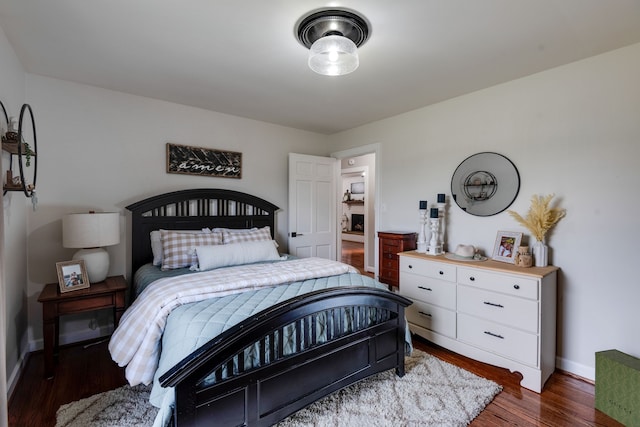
[356, 212]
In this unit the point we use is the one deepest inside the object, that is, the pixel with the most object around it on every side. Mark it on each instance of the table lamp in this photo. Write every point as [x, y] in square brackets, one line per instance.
[90, 232]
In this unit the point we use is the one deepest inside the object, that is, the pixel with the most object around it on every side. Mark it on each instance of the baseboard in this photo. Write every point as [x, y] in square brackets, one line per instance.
[577, 369]
[14, 377]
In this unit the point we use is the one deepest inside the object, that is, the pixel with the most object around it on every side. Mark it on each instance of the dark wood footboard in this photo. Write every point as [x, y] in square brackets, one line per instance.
[365, 335]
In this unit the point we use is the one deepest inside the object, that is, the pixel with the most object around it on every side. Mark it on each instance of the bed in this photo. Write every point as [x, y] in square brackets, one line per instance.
[292, 344]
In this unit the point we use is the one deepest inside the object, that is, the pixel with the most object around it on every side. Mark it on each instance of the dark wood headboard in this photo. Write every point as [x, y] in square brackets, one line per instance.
[192, 210]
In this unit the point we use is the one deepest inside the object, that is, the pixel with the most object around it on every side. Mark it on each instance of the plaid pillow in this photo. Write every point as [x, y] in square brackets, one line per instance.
[178, 249]
[251, 235]
[156, 242]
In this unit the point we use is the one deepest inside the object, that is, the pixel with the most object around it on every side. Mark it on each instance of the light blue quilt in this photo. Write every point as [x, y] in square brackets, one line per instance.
[192, 325]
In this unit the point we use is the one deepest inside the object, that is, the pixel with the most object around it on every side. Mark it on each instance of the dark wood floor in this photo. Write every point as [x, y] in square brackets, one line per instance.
[82, 372]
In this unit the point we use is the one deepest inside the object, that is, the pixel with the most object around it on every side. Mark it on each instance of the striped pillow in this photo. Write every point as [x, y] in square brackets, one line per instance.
[178, 249]
[251, 235]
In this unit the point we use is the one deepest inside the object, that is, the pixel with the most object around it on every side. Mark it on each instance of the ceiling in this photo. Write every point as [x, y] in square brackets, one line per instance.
[242, 57]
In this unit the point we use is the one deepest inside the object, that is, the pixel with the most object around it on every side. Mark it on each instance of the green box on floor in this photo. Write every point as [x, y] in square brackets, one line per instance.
[618, 386]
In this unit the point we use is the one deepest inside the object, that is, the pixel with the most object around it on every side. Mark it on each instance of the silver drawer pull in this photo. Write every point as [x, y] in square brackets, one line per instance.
[493, 304]
[494, 335]
[424, 314]
[426, 289]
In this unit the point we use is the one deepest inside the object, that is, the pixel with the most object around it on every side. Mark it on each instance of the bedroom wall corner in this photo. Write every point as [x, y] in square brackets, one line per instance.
[13, 260]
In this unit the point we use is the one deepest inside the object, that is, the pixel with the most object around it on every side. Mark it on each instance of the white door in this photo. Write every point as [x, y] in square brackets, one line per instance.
[312, 206]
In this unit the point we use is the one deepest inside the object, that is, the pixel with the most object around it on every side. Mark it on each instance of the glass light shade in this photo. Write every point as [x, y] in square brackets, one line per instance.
[333, 56]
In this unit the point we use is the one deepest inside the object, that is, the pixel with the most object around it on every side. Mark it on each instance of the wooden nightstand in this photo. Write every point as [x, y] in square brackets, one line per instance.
[390, 244]
[109, 293]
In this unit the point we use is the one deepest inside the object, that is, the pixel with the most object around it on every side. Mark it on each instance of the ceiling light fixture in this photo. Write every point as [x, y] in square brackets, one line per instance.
[332, 37]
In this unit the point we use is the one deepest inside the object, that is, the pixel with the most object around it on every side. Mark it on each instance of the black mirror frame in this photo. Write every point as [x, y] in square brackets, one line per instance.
[481, 184]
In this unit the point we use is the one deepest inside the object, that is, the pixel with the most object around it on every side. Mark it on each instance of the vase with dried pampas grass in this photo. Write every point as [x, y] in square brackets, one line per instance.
[540, 218]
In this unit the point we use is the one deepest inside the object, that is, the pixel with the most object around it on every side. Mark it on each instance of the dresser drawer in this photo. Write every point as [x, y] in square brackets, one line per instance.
[391, 245]
[429, 316]
[434, 270]
[500, 308]
[500, 339]
[78, 306]
[389, 264]
[388, 254]
[389, 275]
[428, 290]
[523, 287]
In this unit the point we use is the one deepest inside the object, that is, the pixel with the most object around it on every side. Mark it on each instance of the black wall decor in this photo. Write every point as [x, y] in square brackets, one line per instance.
[188, 160]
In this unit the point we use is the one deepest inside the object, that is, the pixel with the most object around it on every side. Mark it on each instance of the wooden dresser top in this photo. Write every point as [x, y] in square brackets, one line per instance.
[488, 264]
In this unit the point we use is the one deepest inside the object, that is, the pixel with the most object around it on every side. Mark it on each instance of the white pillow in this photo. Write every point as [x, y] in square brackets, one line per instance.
[156, 242]
[236, 254]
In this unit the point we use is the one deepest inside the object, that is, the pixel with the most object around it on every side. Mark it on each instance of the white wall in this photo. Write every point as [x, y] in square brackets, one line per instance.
[573, 131]
[103, 150]
[14, 269]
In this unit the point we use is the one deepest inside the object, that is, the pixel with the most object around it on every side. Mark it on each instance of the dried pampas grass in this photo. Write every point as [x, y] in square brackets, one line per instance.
[540, 217]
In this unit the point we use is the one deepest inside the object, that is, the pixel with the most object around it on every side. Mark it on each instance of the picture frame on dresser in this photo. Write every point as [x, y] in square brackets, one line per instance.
[72, 275]
[506, 246]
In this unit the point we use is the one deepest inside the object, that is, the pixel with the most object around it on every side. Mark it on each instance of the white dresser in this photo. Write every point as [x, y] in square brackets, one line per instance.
[490, 311]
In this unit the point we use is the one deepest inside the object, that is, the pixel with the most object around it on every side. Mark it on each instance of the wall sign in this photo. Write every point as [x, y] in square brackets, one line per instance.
[188, 160]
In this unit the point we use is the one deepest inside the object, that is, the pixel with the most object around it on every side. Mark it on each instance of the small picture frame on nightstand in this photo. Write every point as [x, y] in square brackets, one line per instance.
[72, 275]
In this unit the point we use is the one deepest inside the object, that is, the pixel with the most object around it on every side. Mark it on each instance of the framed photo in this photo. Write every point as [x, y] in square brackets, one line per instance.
[72, 275]
[506, 245]
[357, 188]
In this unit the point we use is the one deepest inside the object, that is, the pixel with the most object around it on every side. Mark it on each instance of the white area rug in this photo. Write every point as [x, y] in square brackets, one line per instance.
[432, 393]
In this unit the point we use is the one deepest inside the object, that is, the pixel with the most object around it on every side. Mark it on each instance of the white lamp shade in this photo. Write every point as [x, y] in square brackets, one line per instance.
[90, 230]
[333, 56]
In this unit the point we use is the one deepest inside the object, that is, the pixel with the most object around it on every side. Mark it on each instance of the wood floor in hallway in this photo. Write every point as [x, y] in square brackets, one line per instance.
[353, 254]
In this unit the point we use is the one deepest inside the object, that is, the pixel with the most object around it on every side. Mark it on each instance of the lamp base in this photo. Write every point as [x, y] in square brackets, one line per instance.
[96, 261]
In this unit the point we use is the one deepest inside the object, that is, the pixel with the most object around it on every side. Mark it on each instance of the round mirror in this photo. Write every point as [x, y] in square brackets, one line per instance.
[485, 184]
